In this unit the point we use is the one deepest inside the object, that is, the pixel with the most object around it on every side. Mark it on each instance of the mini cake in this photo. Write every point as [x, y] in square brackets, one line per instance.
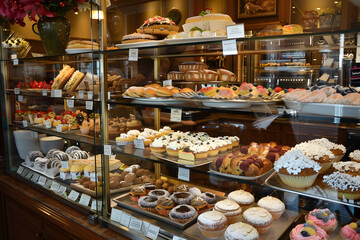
[200, 150]
[173, 148]
[243, 198]
[241, 231]
[182, 188]
[199, 204]
[307, 231]
[337, 149]
[195, 191]
[137, 192]
[351, 231]
[355, 156]
[159, 193]
[149, 187]
[148, 203]
[182, 213]
[209, 197]
[158, 146]
[69, 150]
[259, 218]
[138, 37]
[182, 197]
[297, 170]
[230, 209]
[31, 156]
[213, 147]
[164, 206]
[318, 153]
[323, 218]
[212, 224]
[274, 206]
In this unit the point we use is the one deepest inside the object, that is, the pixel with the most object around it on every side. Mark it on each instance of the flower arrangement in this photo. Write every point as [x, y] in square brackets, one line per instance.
[14, 11]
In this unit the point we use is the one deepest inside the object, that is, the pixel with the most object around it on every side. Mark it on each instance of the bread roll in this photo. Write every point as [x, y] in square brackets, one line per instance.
[226, 75]
[334, 99]
[74, 81]
[163, 92]
[63, 77]
[352, 99]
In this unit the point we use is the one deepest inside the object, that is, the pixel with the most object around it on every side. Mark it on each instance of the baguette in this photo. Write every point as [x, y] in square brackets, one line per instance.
[74, 81]
[62, 78]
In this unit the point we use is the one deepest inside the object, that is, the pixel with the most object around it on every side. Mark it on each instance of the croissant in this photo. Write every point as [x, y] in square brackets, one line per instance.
[334, 99]
[315, 97]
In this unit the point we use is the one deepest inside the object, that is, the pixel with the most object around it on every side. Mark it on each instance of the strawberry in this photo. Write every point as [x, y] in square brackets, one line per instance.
[39, 115]
[50, 109]
[259, 86]
[57, 118]
[74, 114]
[69, 112]
[290, 89]
[47, 117]
[64, 121]
[51, 82]
[278, 89]
[43, 113]
[63, 114]
[243, 83]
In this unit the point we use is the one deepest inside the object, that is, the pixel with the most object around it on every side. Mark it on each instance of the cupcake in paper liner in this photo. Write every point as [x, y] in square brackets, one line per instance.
[295, 169]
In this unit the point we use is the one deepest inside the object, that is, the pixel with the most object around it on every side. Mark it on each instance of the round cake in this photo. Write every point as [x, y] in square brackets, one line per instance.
[230, 209]
[164, 206]
[158, 26]
[323, 218]
[259, 218]
[138, 37]
[243, 198]
[212, 224]
[159, 193]
[148, 203]
[274, 206]
[241, 231]
[182, 213]
[182, 197]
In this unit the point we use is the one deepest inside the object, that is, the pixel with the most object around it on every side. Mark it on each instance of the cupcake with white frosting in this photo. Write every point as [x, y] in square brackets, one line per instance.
[355, 156]
[241, 231]
[259, 218]
[274, 206]
[243, 198]
[337, 149]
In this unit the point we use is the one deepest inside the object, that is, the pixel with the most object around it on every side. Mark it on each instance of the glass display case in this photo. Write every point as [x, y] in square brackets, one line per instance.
[152, 121]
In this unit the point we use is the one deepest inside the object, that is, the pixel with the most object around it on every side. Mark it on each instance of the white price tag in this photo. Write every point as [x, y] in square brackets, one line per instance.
[89, 105]
[81, 93]
[17, 90]
[153, 232]
[25, 172]
[35, 177]
[107, 150]
[25, 123]
[42, 181]
[93, 177]
[139, 143]
[175, 115]
[235, 31]
[65, 164]
[90, 94]
[109, 95]
[73, 196]
[145, 227]
[58, 93]
[135, 224]
[16, 61]
[59, 128]
[13, 56]
[48, 123]
[116, 215]
[184, 174]
[133, 54]
[44, 92]
[48, 184]
[93, 205]
[61, 191]
[55, 186]
[34, 134]
[178, 238]
[85, 200]
[125, 219]
[52, 93]
[229, 47]
[20, 98]
[20, 170]
[29, 175]
[70, 103]
[167, 82]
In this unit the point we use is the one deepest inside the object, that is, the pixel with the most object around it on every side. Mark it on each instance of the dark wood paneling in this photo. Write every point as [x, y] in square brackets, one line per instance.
[53, 233]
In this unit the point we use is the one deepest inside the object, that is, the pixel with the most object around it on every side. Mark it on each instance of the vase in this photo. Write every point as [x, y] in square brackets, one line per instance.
[54, 33]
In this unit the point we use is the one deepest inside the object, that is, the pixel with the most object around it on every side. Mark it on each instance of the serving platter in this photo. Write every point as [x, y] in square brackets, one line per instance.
[193, 40]
[233, 104]
[79, 50]
[186, 163]
[92, 193]
[240, 177]
[140, 44]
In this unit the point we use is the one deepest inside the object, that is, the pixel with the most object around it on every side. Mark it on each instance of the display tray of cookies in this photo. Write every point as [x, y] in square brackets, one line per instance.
[277, 229]
[179, 209]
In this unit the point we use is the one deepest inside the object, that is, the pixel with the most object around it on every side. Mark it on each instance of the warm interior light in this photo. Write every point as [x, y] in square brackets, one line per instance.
[76, 13]
[95, 14]
[336, 2]
[317, 8]
[293, 7]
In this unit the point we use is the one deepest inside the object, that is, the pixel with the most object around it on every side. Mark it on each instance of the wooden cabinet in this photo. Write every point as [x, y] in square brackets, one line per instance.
[53, 233]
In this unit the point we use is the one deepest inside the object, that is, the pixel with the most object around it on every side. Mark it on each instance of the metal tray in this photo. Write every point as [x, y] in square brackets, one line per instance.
[277, 229]
[140, 44]
[35, 170]
[335, 110]
[92, 193]
[317, 190]
[159, 101]
[193, 40]
[239, 177]
[217, 103]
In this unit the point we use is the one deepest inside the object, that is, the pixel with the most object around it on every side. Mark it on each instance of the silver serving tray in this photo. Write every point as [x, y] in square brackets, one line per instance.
[277, 228]
[193, 40]
[239, 177]
[233, 104]
[190, 164]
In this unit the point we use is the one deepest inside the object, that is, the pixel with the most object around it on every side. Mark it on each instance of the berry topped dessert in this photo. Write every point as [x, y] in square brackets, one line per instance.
[158, 26]
[323, 218]
[307, 231]
[351, 231]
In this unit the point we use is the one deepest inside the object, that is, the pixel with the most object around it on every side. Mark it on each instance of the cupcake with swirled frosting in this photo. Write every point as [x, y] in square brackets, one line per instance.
[307, 231]
[351, 231]
[323, 218]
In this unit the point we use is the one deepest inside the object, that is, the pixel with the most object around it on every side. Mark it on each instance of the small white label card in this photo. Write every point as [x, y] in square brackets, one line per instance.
[184, 174]
[235, 31]
[90, 94]
[62, 191]
[84, 200]
[20, 170]
[145, 227]
[48, 123]
[135, 224]
[167, 83]
[35, 134]
[73, 196]
[175, 115]
[93, 177]
[153, 232]
[125, 219]
[42, 181]
[89, 105]
[109, 95]
[139, 143]
[17, 90]
[35, 177]
[29, 175]
[20, 98]
[48, 184]
[358, 49]
[65, 164]
[133, 54]
[116, 215]
[177, 238]
[52, 93]
[81, 93]
[13, 56]
[59, 128]
[58, 93]
[70, 103]
[107, 150]
[44, 92]
[25, 123]
[55, 186]
[16, 61]
[93, 204]
[229, 47]
[25, 172]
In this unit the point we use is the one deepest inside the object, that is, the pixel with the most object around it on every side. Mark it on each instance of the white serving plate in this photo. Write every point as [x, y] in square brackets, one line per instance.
[79, 50]
[140, 44]
[193, 40]
[239, 177]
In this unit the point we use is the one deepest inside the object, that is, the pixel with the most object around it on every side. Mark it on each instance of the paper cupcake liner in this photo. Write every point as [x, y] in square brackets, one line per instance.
[276, 214]
[211, 234]
[324, 167]
[338, 158]
[298, 181]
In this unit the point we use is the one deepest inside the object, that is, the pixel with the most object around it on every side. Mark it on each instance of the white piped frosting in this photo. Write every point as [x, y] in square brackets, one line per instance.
[314, 151]
[199, 148]
[346, 166]
[329, 145]
[241, 197]
[133, 133]
[294, 161]
[355, 155]
[157, 143]
[241, 230]
[342, 181]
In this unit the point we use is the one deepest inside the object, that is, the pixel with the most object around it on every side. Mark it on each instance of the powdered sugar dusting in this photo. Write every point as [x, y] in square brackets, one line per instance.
[212, 218]
[314, 151]
[347, 166]
[227, 205]
[271, 203]
[241, 196]
[355, 155]
[294, 161]
[257, 215]
[241, 230]
[342, 181]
